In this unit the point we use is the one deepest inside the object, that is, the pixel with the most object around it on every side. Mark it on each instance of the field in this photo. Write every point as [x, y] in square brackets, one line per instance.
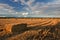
[29, 28]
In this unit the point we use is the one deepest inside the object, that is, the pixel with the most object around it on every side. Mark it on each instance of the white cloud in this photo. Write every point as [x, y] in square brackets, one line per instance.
[2, 16]
[24, 13]
[22, 2]
[6, 8]
[15, 0]
[42, 9]
[30, 2]
[50, 8]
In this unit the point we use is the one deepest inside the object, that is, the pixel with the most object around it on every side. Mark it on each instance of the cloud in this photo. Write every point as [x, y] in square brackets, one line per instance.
[28, 3]
[6, 8]
[22, 2]
[15, 0]
[33, 9]
[49, 9]
[39, 5]
[25, 14]
[8, 11]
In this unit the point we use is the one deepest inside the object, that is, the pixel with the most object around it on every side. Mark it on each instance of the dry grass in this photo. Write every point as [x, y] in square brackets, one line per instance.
[36, 29]
[41, 34]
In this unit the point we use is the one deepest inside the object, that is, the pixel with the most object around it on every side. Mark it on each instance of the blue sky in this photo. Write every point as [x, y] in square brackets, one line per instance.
[29, 8]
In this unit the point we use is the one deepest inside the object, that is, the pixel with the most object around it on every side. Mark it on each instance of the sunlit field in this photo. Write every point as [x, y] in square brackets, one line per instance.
[29, 28]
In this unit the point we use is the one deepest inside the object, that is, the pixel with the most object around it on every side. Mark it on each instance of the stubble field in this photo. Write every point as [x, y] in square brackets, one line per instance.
[29, 28]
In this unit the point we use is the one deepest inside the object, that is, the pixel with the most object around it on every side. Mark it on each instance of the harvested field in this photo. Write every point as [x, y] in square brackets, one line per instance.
[29, 28]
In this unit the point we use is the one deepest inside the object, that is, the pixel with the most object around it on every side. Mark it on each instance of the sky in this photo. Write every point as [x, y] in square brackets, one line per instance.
[29, 8]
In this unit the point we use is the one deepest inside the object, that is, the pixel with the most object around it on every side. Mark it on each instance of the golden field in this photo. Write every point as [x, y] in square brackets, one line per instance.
[32, 30]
